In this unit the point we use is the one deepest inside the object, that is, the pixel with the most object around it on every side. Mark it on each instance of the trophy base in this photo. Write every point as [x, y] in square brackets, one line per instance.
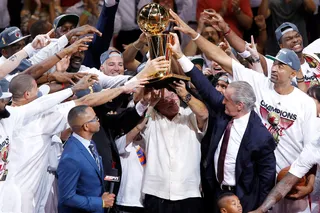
[163, 82]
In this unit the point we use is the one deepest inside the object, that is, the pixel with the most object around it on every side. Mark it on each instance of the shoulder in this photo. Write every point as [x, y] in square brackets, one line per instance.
[259, 131]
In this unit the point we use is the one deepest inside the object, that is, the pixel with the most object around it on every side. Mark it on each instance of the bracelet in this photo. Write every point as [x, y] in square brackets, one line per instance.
[87, 13]
[147, 115]
[63, 85]
[136, 47]
[257, 60]
[56, 54]
[300, 79]
[194, 39]
[228, 32]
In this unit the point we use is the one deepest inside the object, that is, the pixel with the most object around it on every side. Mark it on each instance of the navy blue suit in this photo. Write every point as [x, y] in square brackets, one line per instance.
[80, 182]
[255, 170]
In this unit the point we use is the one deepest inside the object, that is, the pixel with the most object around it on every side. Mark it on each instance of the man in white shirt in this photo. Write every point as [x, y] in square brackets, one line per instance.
[287, 112]
[172, 174]
[32, 142]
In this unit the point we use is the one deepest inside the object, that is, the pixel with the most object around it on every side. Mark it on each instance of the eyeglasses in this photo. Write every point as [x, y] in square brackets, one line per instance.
[95, 119]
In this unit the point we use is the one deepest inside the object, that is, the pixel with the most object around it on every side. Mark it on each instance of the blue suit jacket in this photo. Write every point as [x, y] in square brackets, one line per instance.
[255, 164]
[80, 182]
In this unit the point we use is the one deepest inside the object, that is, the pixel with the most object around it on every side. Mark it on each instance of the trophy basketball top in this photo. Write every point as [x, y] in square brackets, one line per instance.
[153, 19]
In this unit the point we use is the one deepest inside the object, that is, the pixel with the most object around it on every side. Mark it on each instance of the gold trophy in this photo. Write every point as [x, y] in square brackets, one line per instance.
[153, 19]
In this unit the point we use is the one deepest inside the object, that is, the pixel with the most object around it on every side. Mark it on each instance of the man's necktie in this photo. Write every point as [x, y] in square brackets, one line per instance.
[223, 152]
[94, 152]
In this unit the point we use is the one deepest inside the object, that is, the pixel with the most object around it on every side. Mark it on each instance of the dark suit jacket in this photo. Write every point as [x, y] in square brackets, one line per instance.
[112, 126]
[80, 182]
[255, 164]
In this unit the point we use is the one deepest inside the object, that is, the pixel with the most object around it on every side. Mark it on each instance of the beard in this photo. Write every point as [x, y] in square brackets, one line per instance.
[4, 114]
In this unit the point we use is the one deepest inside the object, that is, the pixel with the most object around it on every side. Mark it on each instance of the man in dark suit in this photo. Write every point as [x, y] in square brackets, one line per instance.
[80, 171]
[241, 156]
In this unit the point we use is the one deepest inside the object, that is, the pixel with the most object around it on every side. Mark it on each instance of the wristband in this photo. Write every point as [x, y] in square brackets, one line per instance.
[245, 54]
[194, 39]
[63, 85]
[147, 115]
[56, 54]
[29, 49]
[87, 13]
[300, 79]
[228, 32]
[135, 47]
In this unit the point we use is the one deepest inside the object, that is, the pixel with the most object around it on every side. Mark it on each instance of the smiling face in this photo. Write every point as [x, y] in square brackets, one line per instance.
[169, 104]
[113, 66]
[76, 60]
[292, 40]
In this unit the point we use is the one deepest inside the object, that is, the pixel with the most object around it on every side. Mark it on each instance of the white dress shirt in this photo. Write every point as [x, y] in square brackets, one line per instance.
[85, 142]
[238, 128]
[173, 156]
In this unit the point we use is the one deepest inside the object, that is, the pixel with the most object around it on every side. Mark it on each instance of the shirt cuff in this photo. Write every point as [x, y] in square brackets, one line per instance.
[63, 41]
[110, 3]
[29, 49]
[185, 63]
[131, 80]
[141, 108]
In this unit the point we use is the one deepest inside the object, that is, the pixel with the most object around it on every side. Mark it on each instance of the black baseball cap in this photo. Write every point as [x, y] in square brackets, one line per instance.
[11, 35]
[60, 20]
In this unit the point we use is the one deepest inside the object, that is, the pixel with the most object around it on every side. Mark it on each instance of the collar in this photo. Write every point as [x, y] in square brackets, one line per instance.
[243, 120]
[84, 141]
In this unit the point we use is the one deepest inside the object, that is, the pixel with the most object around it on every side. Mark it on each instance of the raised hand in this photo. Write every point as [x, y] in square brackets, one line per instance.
[236, 6]
[65, 77]
[156, 65]
[260, 22]
[181, 25]
[79, 45]
[151, 96]
[132, 86]
[108, 199]
[63, 64]
[216, 21]
[253, 49]
[42, 40]
[83, 30]
[175, 48]
[83, 83]
[180, 88]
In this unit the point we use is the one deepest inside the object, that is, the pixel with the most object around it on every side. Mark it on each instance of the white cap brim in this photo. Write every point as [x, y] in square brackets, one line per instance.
[6, 95]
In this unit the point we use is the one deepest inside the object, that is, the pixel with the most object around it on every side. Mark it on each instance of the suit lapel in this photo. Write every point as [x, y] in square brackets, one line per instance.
[245, 142]
[88, 156]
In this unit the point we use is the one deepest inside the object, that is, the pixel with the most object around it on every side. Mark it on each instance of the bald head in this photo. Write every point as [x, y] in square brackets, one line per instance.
[20, 84]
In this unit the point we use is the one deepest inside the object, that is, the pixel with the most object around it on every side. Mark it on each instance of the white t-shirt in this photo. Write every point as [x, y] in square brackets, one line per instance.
[10, 196]
[296, 113]
[130, 193]
[173, 156]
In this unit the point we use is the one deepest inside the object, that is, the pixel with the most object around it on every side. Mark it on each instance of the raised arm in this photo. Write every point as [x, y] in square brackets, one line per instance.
[37, 70]
[213, 52]
[309, 6]
[264, 9]
[197, 106]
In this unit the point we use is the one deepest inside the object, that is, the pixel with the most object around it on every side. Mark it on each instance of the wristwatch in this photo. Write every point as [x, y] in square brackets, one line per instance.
[187, 98]
[257, 60]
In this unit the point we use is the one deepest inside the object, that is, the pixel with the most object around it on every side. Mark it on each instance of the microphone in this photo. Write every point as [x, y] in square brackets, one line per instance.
[112, 178]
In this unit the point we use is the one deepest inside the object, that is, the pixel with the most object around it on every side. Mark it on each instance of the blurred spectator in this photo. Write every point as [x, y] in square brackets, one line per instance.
[64, 23]
[87, 10]
[5, 18]
[39, 27]
[236, 13]
[313, 24]
[285, 11]
[14, 8]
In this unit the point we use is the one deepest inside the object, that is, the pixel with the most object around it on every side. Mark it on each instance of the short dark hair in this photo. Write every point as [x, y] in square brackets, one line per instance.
[314, 92]
[223, 195]
[75, 113]
[20, 84]
[37, 28]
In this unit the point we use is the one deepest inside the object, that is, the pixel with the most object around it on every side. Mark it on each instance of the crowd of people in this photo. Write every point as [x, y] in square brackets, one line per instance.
[83, 128]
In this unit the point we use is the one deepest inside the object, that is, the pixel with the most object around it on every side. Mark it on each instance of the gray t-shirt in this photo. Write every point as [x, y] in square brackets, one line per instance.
[281, 11]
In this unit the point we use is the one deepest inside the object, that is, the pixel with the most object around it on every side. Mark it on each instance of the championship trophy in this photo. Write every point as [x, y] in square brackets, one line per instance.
[153, 19]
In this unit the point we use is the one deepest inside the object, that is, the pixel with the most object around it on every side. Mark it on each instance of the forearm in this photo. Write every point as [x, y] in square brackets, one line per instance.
[200, 110]
[309, 6]
[279, 191]
[300, 82]
[244, 20]
[11, 63]
[130, 53]
[264, 9]
[262, 40]
[190, 49]
[99, 98]
[235, 41]
[37, 70]
[257, 67]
